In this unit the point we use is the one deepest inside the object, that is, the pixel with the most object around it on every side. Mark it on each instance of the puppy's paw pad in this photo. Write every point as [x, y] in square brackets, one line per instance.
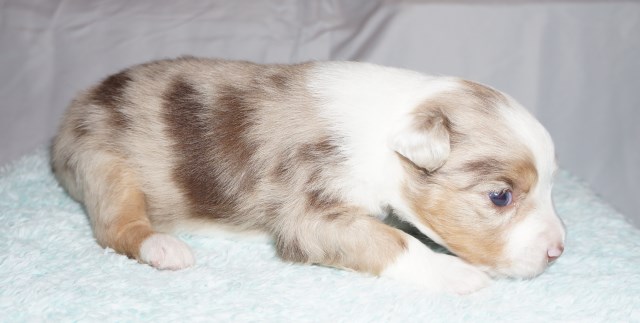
[460, 277]
[164, 251]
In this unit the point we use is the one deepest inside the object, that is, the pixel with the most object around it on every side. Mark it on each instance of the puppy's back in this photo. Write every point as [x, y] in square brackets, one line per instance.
[197, 134]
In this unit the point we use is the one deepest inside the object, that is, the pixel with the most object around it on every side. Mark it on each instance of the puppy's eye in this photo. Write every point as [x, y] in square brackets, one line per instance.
[502, 198]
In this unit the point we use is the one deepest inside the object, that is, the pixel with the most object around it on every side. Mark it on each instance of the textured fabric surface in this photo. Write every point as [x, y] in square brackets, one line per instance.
[51, 269]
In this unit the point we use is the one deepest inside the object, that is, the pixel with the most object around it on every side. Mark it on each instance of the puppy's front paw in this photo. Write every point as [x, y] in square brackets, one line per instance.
[436, 272]
[164, 251]
[457, 276]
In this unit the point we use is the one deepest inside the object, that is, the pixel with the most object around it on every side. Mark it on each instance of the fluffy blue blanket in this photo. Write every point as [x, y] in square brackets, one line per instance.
[51, 269]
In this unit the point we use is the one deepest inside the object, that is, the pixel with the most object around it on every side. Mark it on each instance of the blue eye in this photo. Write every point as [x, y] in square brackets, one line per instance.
[502, 198]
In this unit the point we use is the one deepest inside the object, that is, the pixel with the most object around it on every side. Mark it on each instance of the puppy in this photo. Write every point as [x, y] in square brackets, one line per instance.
[315, 156]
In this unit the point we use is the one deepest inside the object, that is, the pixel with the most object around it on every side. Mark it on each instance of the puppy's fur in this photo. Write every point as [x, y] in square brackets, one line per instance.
[314, 155]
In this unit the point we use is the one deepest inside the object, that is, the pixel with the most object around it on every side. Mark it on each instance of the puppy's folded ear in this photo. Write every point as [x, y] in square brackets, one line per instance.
[424, 139]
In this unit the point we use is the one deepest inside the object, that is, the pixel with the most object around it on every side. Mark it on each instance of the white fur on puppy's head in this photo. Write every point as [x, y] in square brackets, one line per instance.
[494, 145]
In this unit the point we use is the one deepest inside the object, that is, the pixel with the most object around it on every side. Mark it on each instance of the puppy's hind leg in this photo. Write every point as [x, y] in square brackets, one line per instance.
[117, 209]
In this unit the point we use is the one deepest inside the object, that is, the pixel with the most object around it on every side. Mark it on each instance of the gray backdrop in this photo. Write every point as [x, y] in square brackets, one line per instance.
[574, 64]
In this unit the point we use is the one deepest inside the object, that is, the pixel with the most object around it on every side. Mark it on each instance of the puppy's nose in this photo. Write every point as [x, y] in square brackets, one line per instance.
[554, 252]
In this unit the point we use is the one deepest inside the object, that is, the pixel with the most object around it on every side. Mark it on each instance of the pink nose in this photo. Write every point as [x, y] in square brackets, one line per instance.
[554, 252]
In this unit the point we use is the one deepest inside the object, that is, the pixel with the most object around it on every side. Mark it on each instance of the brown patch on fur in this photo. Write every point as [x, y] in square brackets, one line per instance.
[197, 134]
[317, 154]
[280, 80]
[273, 209]
[290, 250]
[521, 175]
[324, 149]
[308, 157]
[283, 170]
[110, 94]
[129, 226]
[232, 117]
[428, 118]
[319, 199]
[80, 128]
[483, 92]
[483, 167]
[315, 178]
[474, 242]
